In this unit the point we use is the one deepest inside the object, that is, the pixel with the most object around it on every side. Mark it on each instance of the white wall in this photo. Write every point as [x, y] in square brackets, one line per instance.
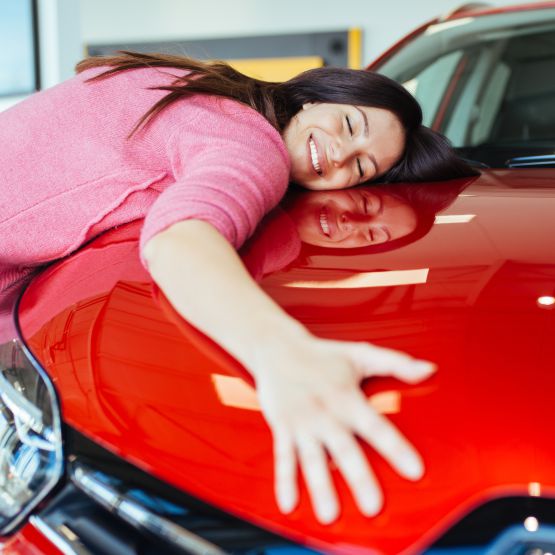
[66, 26]
[105, 21]
[60, 39]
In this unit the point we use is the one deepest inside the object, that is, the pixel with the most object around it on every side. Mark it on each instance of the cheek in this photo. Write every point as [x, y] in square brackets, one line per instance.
[403, 222]
[309, 231]
[340, 179]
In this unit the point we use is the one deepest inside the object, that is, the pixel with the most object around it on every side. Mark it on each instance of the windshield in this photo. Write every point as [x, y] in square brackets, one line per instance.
[487, 83]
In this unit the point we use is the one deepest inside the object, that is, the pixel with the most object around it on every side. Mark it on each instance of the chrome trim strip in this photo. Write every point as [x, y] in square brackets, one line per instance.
[545, 160]
[68, 546]
[138, 516]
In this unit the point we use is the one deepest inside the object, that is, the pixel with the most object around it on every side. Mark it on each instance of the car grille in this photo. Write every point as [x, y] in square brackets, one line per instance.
[109, 506]
[504, 526]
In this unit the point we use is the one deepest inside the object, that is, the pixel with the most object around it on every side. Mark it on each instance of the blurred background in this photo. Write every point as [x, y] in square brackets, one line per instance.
[42, 40]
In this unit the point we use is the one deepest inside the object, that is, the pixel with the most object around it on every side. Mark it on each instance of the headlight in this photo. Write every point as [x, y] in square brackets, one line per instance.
[31, 460]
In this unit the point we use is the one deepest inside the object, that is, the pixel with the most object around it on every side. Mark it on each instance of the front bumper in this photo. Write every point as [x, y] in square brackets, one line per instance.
[107, 506]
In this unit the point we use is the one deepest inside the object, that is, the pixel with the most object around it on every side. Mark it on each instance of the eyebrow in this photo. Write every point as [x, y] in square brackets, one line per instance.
[366, 133]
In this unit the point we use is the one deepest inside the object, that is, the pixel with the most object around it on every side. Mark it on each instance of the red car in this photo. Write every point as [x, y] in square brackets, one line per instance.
[124, 430]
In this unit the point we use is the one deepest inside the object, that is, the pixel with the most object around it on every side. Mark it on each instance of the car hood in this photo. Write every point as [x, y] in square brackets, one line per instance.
[138, 379]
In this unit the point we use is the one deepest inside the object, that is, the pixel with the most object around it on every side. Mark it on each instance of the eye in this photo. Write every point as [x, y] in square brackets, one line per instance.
[365, 204]
[349, 125]
[360, 170]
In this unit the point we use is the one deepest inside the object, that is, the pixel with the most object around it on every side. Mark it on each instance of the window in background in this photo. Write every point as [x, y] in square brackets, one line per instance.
[18, 52]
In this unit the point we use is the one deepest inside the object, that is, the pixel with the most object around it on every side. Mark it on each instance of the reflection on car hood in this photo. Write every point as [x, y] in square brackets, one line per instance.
[468, 295]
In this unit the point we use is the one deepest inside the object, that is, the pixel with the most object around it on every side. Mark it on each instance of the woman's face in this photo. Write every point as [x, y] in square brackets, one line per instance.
[350, 219]
[335, 146]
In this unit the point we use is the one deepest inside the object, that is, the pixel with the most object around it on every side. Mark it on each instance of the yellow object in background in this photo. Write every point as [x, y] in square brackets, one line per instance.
[354, 52]
[276, 69]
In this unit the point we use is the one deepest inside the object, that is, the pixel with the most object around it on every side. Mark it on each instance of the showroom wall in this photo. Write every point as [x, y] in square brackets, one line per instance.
[66, 27]
[136, 20]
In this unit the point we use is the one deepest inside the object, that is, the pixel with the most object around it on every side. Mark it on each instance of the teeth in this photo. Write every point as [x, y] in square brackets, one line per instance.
[314, 156]
[324, 223]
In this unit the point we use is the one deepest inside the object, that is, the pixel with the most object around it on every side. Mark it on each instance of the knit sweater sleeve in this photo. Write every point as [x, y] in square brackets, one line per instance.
[230, 168]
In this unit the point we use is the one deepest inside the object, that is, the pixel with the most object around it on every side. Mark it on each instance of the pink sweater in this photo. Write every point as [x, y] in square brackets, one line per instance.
[67, 171]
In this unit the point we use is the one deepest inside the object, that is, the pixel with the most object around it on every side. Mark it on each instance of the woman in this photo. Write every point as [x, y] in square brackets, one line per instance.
[203, 152]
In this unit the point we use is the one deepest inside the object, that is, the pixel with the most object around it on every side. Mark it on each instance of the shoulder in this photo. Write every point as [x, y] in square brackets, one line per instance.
[232, 126]
[150, 75]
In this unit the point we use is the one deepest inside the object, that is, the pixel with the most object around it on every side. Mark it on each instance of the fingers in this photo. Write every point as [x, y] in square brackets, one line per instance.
[322, 411]
[353, 465]
[382, 435]
[312, 458]
[311, 450]
[287, 494]
[378, 361]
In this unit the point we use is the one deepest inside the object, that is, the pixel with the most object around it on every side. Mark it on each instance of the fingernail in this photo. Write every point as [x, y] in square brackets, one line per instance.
[327, 512]
[425, 366]
[412, 466]
[370, 504]
[286, 502]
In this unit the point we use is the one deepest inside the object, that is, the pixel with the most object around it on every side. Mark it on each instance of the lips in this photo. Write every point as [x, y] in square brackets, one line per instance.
[314, 156]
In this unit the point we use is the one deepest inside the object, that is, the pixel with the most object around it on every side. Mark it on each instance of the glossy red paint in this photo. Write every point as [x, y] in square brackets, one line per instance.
[28, 541]
[136, 378]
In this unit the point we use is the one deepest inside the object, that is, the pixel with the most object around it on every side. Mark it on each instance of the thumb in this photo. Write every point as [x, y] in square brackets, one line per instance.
[378, 361]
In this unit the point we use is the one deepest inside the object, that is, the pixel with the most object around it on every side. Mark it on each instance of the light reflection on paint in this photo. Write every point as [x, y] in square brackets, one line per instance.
[362, 280]
[546, 301]
[534, 489]
[386, 402]
[237, 393]
[438, 27]
[454, 218]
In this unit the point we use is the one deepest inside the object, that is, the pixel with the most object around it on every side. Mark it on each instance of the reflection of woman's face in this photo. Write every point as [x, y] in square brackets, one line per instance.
[351, 218]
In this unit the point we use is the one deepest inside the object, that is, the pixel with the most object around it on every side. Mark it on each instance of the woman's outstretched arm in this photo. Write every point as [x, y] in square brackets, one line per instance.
[308, 388]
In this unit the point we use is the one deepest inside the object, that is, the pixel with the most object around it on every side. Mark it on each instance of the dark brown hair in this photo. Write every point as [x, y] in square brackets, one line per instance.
[428, 155]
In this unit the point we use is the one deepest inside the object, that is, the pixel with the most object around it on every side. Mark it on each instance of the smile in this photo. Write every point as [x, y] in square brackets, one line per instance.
[324, 222]
[314, 156]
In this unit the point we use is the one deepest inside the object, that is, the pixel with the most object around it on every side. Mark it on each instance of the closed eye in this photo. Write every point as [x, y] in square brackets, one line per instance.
[349, 125]
[360, 170]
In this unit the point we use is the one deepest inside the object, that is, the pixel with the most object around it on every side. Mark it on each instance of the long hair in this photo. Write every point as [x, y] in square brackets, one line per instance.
[428, 155]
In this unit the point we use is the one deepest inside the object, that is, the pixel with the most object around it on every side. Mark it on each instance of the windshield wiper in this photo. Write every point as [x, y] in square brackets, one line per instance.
[543, 161]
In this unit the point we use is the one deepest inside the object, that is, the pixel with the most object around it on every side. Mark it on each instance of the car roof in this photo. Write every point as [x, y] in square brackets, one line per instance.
[478, 9]
[467, 10]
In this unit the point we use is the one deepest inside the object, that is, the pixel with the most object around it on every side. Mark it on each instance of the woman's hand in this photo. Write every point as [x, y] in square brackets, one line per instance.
[310, 394]
[309, 388]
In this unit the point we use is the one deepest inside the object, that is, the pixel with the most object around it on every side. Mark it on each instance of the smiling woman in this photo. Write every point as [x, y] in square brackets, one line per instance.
[333, 146]
[202, 152]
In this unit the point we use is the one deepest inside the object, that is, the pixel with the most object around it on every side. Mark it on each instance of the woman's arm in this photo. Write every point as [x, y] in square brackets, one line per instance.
[309, 388]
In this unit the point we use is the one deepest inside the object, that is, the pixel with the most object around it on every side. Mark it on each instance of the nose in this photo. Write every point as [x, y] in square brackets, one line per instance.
[341, 152]
[352, 221]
